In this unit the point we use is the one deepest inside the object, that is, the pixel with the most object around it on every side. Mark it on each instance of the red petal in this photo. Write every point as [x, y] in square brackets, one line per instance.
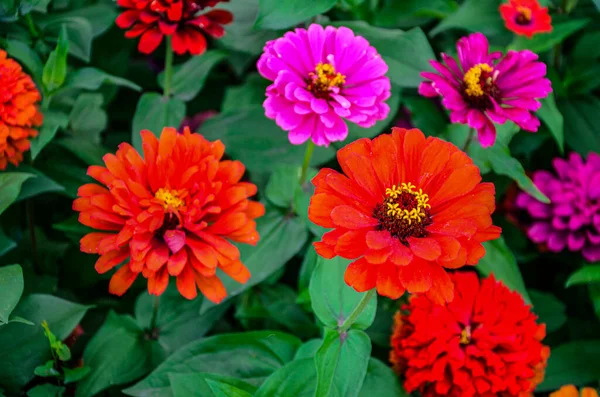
[110, 260]
[158, 256]
[212, 288]
[186, 283]
[361, 275]
[351, 244]
[89, 243]
[121, 280]
[150, 40]
[127, 19]
[177, 262]
[426, 248]
[350, 218]
[416, 276]
[388, 283]
[158, 283]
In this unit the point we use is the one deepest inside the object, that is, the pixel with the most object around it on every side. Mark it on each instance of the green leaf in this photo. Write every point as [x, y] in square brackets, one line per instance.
[474, 16]
[308, 349]
[282, 185]
[208, 385]
[545, 41]
[39, 185]
[6, 244]
[586, 275]
[251, 93]
[426, 115]
[549, 309]
[26, 56]
[188, 78]
[27, 345]
[408, 13]
[47, 370]
[381, 381]
[46, 390]
[586, 48]
[283, 14]
[281, 237]
[407, 54]
[257, 141]
[10, 186]
[332, 299]
[11, 289]
[294, 379]
[53, 120]
[89, 152]
[248, 356]
[75, 374]
[118, 353]
[92, 79]
[342, 362]
[580, 116]
[55, 69]
[80, 34]
[575, 363]
[59, 349]
[100, 17]
[552, 117]
[178, 319]
[501, 262]
[154, 112]
[87, 118]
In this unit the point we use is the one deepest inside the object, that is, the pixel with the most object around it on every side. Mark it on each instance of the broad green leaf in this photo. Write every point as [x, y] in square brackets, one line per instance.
[26, 57]
[75, 374]
[208, 385]
[46, 390]
[426, 115]
[549, 309]
[283, 14]
[474, 16]
[257, 141]
[308, 349]
[11, 289]
[87, 119]
[27, 345]
[53, 120]
[282, 185]
[92, 79]
[545, 41]
[251, 93]
[6, 244]
[89, 152]
[581, 78]
[501, 262]
[281, 237]
[332, 299]
[154, 112]
[118, 353]
[297, 379]
[586, 48]
[178, 319]
[586, 275]
[581, 131]
[39, 185]
[407, 54]
[342, 361]
[381, 329]
[189, 77]
[248, 356]
[101, 16]
[573, 363]
[80, 34]
[552, 117]
[381, 381]
[408, 13]
[10, 186]
[55, 69]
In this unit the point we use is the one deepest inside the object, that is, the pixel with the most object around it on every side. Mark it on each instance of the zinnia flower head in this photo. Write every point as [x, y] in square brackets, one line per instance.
[571, 391]
[183, 19]
[172, 212]
[321, 77]
[18, 111]
[484, 88]
[485, 343]
[526, 17]
[406, 208]
[572, 218]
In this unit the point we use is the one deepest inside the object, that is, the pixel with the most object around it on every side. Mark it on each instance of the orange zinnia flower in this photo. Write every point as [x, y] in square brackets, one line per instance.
[169, 213]
[18, 111]
[571, 391]
[406, 208]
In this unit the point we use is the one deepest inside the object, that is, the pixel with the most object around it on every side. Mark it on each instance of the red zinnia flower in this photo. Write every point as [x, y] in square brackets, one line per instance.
[169, 213]
[18, 111]
[485, 343]
[526, 17]
[153, 19]
[406, 208]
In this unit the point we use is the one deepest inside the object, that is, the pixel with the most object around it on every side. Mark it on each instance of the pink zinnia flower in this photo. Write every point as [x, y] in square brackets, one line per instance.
[487, 88]
[320, 77]
[572, 219]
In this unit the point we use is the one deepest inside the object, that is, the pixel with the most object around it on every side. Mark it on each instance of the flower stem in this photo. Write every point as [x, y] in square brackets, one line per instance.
[469, 139]
[310, 147]
[357, 310]
[155, 306]
[31, 26]
[168, 68]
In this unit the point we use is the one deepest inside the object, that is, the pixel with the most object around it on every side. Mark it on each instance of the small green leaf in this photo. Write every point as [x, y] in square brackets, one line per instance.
[10, 186]
[586, 275]
[474, 16]
[80, 34]
[208, 385]
[58, 348]
[545, 41]
[11, 289]
[92, 79]
[47, 370]
[75, 374]
[282, 14]
[6, 244]
[552, 117]
[36, 186]
[282, 185]
[46, 390]
[26, 56]
[154, 112]
[53, 120]
[332, 299]
[55, 70]
[574, 363]
[87, 119]
[549, 309]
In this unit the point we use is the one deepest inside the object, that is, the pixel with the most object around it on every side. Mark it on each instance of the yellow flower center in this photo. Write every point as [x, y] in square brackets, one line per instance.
[324, 79]
[524, 15]
[473, 77]
[406, 203]
[170, 199]
[465, 335]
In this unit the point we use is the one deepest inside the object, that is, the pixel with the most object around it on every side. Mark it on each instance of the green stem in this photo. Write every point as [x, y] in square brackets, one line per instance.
[168, 68]
[357, 310]
[155, 306]
[32, 237]
[310, 147]
[469, 139]
[31, 26]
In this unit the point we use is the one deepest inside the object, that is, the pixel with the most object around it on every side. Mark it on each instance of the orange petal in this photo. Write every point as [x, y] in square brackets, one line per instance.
[166, 143]
[414, 144]
[385, 160]
[228, 223]
[320, 208]
[221, 245]
[158, 256]
[186, 283]
[426, 248]
[459, 183]
[237, 271]
[203, 252]
[359, 169]
[351, 244]
[416, 276]
[158, 283]
[212, 288]
[324, 250]
[121, 280]
[110, 260]
[566, 391]
[89, 242]
[388, 283]
[177, 262]
[449, 245]
[350, 218]
[361, 275]
[442, 288]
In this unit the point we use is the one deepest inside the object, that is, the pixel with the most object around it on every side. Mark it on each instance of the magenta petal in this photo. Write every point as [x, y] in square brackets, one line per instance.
[175, 240]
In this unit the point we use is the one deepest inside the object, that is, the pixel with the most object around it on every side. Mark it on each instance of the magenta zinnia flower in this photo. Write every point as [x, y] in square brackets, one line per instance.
[572, 219]
[486, 88]
[320, 77]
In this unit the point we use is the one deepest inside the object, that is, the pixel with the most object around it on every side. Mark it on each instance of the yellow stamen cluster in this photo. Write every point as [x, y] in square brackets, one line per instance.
[170, 199]
[465, 335]
[473, 77]
[525, 13]
[415, 214]
[326, 77]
